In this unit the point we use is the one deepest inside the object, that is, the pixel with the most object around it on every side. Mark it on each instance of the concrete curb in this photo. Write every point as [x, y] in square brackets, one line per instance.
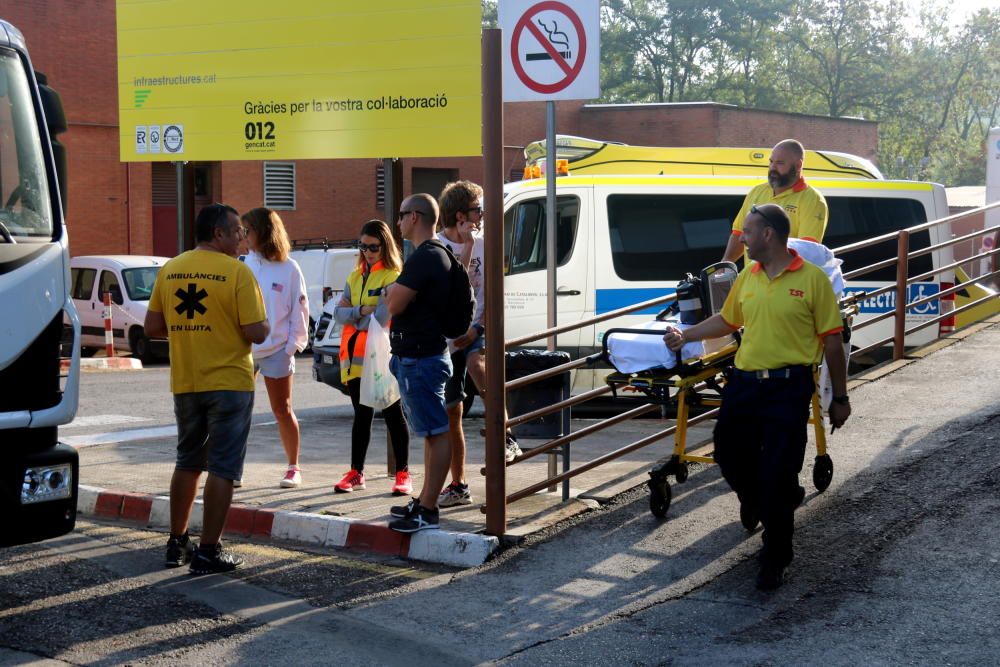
[434, 546]
[105, 363]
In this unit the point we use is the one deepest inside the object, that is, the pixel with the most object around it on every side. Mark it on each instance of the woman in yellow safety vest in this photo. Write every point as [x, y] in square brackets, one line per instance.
[379, 264]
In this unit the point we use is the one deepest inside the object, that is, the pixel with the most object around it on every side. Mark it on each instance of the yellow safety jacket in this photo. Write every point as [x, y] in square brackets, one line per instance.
[365, 291]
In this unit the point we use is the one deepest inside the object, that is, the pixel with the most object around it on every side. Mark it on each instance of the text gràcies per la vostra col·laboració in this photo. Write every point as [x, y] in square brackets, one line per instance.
[385, 102]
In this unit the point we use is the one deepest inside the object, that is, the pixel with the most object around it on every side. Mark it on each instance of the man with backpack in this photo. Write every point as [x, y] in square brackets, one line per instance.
[461, 213]
[429, 302]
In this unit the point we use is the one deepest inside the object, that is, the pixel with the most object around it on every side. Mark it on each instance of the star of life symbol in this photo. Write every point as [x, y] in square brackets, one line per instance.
[190, 300]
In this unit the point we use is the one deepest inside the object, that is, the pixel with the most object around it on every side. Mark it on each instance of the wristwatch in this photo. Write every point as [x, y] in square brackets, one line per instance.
[843, 400]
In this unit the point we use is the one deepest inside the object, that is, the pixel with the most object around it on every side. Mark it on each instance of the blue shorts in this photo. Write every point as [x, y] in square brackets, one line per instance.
[421, 386]
[276, 366]
[212, 430]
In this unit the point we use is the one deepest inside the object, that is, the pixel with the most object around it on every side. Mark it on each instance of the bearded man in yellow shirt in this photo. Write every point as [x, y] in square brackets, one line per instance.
[804, 205]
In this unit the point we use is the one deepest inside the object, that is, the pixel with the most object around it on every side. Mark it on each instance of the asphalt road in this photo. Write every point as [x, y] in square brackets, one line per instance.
[896, 563]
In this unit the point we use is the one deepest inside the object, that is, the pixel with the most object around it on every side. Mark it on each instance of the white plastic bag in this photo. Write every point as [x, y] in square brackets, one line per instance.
[379, 388]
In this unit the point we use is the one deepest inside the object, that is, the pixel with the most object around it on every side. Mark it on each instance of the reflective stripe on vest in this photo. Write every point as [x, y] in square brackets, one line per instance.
[365, 291]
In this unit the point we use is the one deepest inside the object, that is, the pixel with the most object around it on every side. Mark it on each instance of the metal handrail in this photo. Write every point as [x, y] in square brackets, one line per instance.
[585, 431]
[610, 315]
[916, 228]
[556, 407]
[610, 456]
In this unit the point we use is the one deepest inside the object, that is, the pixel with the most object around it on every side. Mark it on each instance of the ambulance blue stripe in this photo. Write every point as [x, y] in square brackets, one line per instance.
[613, 299]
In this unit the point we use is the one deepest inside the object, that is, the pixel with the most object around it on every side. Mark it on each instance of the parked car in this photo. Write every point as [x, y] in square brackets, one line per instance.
[325, 269]
[129, 279]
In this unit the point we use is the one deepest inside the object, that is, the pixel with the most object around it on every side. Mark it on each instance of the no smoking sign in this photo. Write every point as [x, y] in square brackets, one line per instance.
[551, 49]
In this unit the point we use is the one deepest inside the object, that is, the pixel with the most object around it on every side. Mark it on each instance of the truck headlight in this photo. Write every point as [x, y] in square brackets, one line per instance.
[46, 483]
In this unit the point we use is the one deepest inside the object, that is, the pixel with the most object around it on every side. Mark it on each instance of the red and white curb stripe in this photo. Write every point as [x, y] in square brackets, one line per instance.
[434, 546]
[105, 363]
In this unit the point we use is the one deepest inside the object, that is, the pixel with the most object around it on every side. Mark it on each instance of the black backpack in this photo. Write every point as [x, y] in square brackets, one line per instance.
[458, 307]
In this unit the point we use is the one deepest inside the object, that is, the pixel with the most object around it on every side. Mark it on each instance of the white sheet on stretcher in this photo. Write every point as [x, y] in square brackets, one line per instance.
[630, 352]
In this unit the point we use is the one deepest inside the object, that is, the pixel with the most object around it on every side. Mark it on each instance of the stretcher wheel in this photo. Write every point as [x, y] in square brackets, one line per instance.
[659, 497]
[823, 472]
[681, 472]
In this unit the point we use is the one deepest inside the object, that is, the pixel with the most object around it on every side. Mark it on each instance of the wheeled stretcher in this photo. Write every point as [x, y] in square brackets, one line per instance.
[696, 383]
[644, 366]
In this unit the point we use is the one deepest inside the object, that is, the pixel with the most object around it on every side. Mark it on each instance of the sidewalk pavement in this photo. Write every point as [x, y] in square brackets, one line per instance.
[129, 480]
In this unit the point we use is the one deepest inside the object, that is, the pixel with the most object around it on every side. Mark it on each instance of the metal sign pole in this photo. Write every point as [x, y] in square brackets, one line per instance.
[496, 397]
[550, 216]
[181, 236]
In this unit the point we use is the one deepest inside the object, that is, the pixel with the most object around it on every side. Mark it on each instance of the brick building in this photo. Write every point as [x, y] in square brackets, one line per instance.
[131, 208]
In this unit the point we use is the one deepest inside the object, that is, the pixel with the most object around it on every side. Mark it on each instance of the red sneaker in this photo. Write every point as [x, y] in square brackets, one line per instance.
[352, 480]
[403, 485]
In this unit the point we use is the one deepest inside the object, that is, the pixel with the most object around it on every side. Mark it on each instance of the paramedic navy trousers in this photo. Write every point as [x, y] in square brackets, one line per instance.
[760, 442]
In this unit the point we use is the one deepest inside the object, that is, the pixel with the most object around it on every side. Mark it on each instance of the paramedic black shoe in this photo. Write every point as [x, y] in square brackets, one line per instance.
[419, 518]
[400, 511]
[770, 577]
[209, 560]
[748, 515]
[800, 495]
[180, 550]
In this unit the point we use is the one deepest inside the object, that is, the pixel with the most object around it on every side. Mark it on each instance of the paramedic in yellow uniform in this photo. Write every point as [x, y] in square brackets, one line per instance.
[790, 321]
[805, 206]
[209, 306]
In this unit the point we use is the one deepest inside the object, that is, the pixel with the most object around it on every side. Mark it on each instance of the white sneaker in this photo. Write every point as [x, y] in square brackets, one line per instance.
[513, 450]
[237, 483]
[292, 478]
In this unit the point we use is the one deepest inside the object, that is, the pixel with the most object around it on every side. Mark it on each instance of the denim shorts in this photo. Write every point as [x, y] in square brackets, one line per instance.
[275, 366]
[421, 385]
[212, 430]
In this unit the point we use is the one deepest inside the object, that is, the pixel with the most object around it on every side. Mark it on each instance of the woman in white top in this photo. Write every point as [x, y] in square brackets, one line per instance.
[284, 291]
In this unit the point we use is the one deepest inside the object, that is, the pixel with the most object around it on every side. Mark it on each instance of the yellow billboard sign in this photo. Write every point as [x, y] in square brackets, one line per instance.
[255, 80]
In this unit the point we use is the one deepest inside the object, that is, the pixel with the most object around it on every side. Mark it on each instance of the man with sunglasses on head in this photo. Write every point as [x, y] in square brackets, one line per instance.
[210, 308]
[791, 321]
[804, 205]
[461, 205]
[420, 359]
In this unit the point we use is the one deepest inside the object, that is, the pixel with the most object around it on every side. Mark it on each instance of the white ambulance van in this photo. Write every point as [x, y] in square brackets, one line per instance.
[623, 239]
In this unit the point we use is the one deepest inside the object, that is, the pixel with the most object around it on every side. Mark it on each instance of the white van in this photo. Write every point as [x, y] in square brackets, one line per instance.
[626, 239]
[130, 280]
[325, 270]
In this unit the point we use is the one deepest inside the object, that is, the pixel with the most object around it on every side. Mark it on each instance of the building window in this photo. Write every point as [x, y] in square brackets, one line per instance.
[279, 185]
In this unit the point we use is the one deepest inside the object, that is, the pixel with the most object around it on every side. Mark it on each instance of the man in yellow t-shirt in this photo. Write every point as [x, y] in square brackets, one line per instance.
[209, 306]
[790, 321]
[805, 206]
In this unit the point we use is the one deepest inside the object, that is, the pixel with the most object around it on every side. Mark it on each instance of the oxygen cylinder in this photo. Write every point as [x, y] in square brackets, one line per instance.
[689, 302]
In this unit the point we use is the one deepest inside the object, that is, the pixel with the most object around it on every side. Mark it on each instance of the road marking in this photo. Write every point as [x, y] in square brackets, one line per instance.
[104, 420]
[115, 437]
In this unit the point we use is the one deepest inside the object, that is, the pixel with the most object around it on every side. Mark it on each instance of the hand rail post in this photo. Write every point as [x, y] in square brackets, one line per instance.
[902, 269]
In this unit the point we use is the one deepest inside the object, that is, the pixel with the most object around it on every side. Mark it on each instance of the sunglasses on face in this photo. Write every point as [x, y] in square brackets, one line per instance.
[373, 247]
[403, 214]
[477, 209]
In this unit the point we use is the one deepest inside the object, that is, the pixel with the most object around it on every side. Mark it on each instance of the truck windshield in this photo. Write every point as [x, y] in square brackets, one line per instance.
[139, 282]
[25, 208]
